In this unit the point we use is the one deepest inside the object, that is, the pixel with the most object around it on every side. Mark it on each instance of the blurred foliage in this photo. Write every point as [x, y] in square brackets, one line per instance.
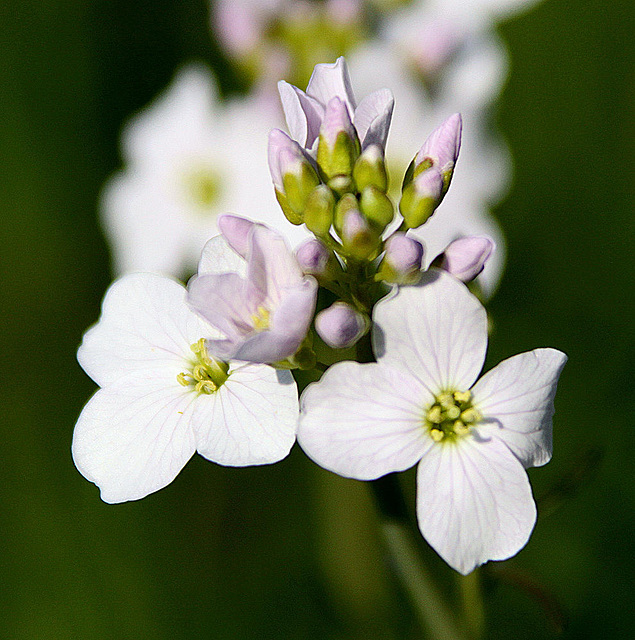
[290, 551]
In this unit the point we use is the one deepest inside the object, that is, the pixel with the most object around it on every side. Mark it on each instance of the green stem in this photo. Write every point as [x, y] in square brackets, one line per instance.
[427, 602]
[471, 595]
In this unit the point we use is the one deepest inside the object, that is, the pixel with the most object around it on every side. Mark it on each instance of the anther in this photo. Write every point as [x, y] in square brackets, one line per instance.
[463, 396]
[436, 435]
[471, 415]
[460, 428]
[453, 412]
[434, 415]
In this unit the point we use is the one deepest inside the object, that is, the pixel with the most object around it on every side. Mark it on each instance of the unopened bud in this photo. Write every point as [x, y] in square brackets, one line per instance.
[377, 207]
[441, 150]
[370, 169]
[338, 145]
[342, 185]
[347, 202]
[291, 171]
[359, 239]
[465, 258]
[341, 325]
[319, 209]
[315, 258]
[421, 197]
[402, 260]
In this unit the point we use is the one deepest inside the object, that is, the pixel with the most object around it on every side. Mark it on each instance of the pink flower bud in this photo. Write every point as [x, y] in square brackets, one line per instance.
[336, 120]
[465, 258]
[341, 325]
[442, 145]
[402, 260]
[313, 257]
[285, 156]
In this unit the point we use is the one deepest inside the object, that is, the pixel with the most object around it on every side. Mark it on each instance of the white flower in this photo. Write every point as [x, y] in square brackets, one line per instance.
[188, 158]
[420, 404]
[163, 397]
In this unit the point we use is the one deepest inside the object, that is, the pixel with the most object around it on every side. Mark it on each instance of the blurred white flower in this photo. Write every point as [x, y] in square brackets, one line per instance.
[163, 397]
[420, 404]
[188, 158]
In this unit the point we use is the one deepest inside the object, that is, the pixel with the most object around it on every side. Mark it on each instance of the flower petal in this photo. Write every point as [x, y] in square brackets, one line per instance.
[303, 114]
[330, 81]
[373, 116]
[364, 420]
[134, 436]
[474, 502]
[436, 329]
[218, 257]
[252, 419]
[145, 325]
[516, 400]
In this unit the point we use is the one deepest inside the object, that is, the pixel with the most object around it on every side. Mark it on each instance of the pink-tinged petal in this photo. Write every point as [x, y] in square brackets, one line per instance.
[516, 400]
[252, 419]
[364, 420]
[145, 325]
[236, 231]
[474, 502]
[372, 118]
[134, 436]
[272, 266]
[222, 301]
[436, 330]
[332, 80]
[302, 112]
[443, 144]
[465, 257]
[218, 257]
[337, 119]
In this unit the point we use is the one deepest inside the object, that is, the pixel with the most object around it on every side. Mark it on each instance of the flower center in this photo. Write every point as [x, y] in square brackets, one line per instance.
[451, 415]
[202, 186]
[206, 374]
[260, 319]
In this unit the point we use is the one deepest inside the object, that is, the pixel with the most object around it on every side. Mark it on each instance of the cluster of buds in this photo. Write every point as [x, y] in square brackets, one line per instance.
[330, 175]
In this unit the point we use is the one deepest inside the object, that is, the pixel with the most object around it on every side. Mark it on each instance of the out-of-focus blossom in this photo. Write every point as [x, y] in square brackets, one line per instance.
[420, 404]
[163, 397]
[265, 316]
[187, 159]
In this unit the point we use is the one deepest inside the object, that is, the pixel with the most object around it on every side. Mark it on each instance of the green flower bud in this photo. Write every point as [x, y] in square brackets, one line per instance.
[421, 197]
[319, 209]
[377, 207]
[292, 217]
[338, 144]
[347, 203]
[370, 169]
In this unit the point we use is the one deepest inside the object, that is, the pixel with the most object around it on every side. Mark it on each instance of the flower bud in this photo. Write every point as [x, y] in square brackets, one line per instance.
[341, 325]
[370, 169]
[465, 258]
[315, 258]
[359, 239]
[442, 146]
[338, 145]
[319, 209]
[421, 197]
[347, 202]
[402, 260]
[377, 207]
[292, 173]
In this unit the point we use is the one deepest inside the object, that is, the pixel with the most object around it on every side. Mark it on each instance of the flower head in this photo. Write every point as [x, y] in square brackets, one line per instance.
[163, 396]
[420, 403]
[306, 112]
[265, 316]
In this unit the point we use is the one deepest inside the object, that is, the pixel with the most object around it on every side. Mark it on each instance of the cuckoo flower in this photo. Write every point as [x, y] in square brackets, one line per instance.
[420, 403]
[328, 92]
[188, 157]
[264, 316]
[163, 397]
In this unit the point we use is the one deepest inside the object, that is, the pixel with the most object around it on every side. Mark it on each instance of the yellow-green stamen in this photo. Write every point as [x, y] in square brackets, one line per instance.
[207, 374]
[451, 416]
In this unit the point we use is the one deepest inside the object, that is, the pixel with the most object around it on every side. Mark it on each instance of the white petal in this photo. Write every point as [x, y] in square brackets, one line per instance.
[218, 257]
[436, 330]
[145, 325]
[373, 116]
[134, 436]
[474, 502]
[516, 400]
[331, 80]
[252, 419]
[302, 112]
[364, 420]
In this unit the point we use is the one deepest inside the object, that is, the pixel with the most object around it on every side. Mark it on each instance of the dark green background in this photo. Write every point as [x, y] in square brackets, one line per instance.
[287, 551]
